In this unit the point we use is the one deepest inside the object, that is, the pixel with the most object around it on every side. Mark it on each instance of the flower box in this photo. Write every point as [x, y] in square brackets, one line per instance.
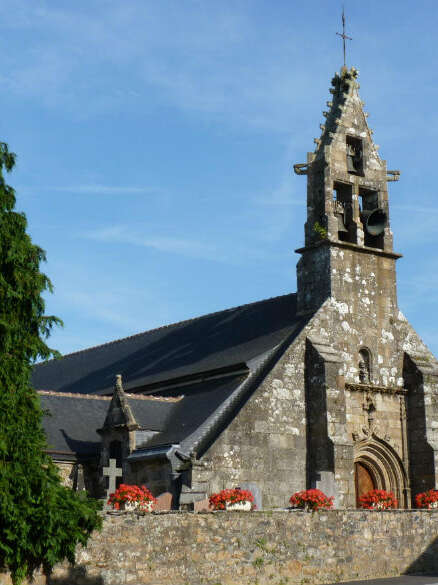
[132, 497]
[244, 506]
[427, 500]
[378, 500]
[234, 499]
[141, 506]
[311, 500]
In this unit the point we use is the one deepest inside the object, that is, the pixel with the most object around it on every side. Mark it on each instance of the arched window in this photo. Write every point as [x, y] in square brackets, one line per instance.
[364, 366]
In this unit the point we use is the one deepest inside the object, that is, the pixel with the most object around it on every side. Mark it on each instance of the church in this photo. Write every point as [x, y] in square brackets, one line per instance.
[330, 387]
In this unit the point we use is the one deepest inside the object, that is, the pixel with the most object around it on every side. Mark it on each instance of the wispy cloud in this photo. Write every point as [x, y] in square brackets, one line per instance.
[194, 57]
[416, 209]
[126, 235]
[281, 196]
[106, 307]
[225, 251]
[98, 306]
[282, 208]
[98, 189]
[414, 226]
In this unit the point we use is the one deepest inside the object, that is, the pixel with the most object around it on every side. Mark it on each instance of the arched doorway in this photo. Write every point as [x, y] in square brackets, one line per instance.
[377, 466]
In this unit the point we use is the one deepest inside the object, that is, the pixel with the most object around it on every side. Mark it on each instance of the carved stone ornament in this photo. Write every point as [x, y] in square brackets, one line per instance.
[366, 434]
[373, 428]
[373, 389]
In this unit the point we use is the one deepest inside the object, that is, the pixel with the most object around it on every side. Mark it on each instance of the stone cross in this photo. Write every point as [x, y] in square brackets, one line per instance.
[112, 472]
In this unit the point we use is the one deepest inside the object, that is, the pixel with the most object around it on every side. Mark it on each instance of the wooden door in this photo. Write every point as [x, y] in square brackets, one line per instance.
[364, 481]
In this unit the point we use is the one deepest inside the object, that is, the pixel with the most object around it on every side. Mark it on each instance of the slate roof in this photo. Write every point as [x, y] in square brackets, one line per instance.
[73, 419]
[185, 417]
[232, 336]
[233, 350]
[72, 423]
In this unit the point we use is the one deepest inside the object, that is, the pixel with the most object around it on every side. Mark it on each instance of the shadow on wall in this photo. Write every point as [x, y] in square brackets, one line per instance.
[75, 575]
[426, 563]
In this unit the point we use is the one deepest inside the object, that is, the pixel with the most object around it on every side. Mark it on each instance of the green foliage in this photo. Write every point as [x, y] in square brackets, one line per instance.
[261, 543]
[320, 230]
[40, 520]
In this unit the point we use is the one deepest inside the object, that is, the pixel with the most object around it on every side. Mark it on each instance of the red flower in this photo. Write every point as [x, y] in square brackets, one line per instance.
[131, 493]
[378, 500]
[313, 499]
[427, 499]
[219, 501]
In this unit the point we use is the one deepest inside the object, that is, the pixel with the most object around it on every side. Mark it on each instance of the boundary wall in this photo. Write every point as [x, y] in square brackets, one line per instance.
[263, 548]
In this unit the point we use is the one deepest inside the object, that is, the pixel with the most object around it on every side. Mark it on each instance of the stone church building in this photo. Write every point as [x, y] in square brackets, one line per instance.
[329, 387]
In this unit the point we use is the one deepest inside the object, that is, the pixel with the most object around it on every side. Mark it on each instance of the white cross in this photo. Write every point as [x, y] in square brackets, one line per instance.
[112, 472]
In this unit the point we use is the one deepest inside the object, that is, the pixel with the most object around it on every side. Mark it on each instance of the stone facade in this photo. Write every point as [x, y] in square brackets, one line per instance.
[235, 548]
[358, 386]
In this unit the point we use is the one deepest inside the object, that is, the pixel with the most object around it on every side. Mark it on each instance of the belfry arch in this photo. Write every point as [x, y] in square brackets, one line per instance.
[384, 466]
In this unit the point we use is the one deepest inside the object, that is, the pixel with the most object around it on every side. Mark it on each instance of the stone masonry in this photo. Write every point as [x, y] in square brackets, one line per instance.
[357, 386]
[264, 548]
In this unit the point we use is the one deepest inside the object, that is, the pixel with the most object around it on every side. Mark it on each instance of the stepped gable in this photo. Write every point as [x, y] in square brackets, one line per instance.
[215, 341]
[344, 107]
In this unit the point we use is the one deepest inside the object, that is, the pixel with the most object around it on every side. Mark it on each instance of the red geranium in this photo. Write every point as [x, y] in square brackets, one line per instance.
[231, 496]
[427, 499]
[131, 493]
[311, 500]
[378, 500]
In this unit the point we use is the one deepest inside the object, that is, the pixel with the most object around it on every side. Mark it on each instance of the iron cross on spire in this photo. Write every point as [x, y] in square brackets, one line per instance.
[343, 35]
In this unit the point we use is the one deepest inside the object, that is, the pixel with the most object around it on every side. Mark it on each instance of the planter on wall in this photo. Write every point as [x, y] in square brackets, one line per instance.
[131, 506]
[244, 506]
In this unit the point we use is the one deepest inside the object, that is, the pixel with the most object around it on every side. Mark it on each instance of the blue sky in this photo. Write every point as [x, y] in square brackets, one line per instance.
[155, 142]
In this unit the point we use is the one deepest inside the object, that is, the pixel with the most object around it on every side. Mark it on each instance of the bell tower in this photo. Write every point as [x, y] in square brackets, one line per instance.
[348, 240]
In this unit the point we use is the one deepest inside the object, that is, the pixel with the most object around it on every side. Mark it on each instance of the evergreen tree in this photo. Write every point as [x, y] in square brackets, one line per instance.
[40, 520]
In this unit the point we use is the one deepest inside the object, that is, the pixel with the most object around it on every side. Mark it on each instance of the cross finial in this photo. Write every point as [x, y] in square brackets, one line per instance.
[119, 385]
[343, 35]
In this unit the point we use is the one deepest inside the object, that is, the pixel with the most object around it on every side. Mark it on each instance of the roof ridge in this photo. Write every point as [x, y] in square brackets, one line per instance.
[108, 398]
[184, 321]
[72, 395]
[151, 397]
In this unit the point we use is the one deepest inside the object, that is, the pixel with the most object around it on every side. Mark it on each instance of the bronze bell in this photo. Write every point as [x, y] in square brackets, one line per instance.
[374, 221]
[341, 223]
[350, 163]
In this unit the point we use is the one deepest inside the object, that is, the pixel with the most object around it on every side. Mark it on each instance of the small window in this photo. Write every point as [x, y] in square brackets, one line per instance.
[364, 366]
[354, 156]
[115, 452]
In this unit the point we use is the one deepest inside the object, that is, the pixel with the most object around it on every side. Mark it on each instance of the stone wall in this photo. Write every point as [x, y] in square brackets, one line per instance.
[235, 548]
[267, 438]
[313, 417]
